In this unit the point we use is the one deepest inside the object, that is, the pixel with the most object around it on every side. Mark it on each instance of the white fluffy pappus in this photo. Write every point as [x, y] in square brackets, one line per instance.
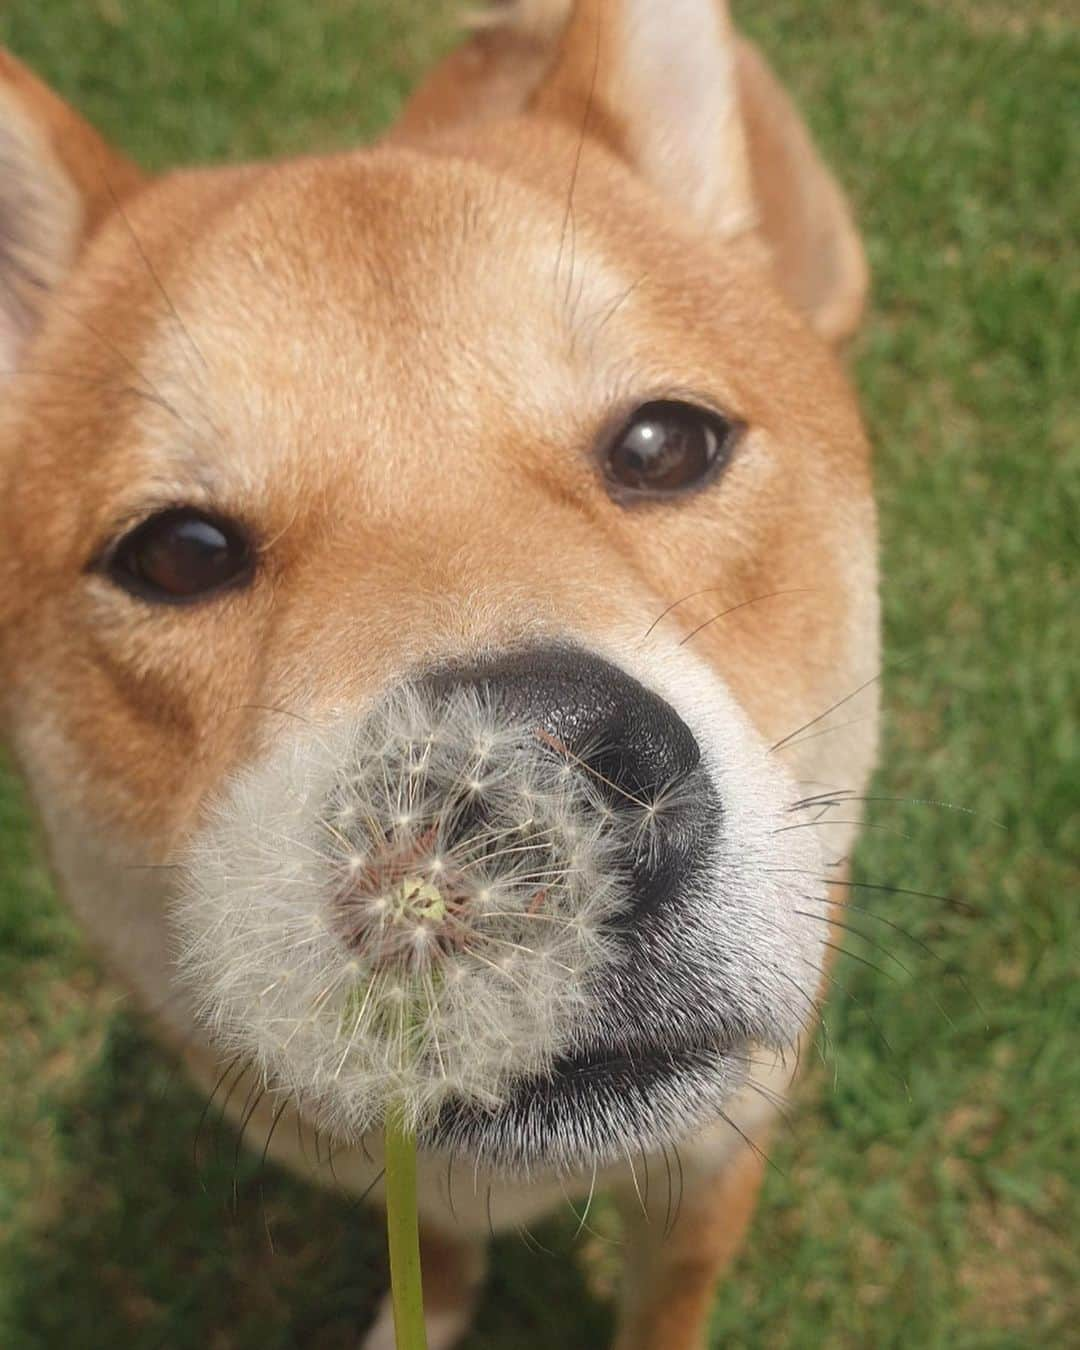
[403, 907]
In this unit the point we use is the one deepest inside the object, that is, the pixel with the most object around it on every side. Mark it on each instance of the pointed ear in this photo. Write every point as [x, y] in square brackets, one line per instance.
[58, 180]
[700, 114]
[803, 216]
[658, 82]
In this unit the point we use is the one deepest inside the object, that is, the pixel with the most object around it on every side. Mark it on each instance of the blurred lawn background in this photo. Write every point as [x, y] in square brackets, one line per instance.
[924, 1194]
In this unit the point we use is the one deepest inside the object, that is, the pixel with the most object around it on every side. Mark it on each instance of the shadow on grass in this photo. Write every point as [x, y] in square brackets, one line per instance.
[141, 1250]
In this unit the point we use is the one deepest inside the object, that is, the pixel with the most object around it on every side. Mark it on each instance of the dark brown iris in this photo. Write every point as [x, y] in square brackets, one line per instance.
[666, 448]
[181, 555]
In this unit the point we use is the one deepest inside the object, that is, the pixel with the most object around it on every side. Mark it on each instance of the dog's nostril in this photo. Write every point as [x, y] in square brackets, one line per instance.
[630, 739]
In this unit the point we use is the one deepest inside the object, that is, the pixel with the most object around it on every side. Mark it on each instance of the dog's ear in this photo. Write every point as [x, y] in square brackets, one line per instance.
[58, 181]
[818, 257]
[658, 83]
[701, 116]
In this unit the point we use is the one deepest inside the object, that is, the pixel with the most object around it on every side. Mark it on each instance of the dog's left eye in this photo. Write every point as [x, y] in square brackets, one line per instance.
[180, 556]
[665, 448]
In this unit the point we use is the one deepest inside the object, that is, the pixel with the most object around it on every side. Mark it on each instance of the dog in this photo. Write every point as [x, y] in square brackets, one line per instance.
[498, 482]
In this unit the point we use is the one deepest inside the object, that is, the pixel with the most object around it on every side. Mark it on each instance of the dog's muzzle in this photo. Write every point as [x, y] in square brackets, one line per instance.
[510, 900]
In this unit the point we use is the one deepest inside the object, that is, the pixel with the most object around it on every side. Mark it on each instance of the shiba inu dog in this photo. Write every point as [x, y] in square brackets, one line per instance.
[438, 613]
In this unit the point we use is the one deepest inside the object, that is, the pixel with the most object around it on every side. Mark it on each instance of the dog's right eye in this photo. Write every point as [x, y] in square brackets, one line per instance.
[180, 556]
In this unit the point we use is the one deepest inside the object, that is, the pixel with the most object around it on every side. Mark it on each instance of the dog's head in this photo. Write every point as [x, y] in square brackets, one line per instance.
[413, 565]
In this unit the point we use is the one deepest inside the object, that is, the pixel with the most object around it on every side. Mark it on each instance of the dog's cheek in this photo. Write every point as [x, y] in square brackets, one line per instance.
[133, 740]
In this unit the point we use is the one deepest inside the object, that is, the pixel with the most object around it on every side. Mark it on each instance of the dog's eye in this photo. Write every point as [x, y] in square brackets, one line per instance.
[179, 556]
[666, 448]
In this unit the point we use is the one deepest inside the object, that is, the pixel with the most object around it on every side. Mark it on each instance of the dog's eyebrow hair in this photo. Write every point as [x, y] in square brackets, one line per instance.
[617, 304]
[568, 218]
[151, 394]
[118, 206]
[595, 322]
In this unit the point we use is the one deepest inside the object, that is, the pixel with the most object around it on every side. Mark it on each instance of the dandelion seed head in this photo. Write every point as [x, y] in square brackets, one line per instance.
[403, 908]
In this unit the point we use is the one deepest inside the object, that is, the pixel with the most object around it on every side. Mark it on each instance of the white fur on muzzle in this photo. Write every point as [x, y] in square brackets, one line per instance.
[424, 908]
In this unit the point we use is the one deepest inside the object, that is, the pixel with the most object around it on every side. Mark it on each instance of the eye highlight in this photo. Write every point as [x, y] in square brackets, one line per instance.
[666, 448]
[180, 556]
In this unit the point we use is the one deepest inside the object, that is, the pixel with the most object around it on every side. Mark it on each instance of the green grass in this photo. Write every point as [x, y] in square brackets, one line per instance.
[925, 1193]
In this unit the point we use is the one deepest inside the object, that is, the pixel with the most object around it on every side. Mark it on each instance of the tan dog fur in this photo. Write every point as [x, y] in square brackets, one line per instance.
[410, 457]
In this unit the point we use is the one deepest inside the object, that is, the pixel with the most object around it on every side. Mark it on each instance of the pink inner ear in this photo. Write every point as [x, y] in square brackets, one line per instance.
[40, 220]
[58, 180]
[682, 107]
[664, 76]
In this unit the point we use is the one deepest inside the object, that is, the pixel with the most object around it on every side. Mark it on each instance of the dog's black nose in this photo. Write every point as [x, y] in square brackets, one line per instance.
[632, 739]
[632, 742]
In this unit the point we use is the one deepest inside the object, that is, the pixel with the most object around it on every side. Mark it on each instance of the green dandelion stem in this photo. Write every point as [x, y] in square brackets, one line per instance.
[403, 1236]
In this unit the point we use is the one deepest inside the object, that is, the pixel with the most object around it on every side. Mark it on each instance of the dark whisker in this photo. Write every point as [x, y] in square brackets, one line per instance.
[789, 744]
[272, 708]
[247, 1064]
[367, 1190]
[91, 382]
[861, 959]
[755, 1149]
[962, 905]
[711, 590]
[898, 928]
[849, 928]
[119, 208]
[532, 1241]
[155, 395]
[831, 820]
[876, 1026]
[773, 1099]
[834, 797]
[812, 1005]
[330, 1164]
[838, 704]
[841, 797]
[667, 1211]
[450, 1187]
[568, 218]
[262, 1167]
[918, 942]
[270, 1133]
[690, 595]
[206, 1112]
[614, 307]
[682, 1186]
[802, 590]
[254, 1097]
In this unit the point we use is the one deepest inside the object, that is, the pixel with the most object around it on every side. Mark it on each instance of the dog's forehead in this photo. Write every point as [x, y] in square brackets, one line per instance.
[358, 314]
[413, 302]
[410, 275]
